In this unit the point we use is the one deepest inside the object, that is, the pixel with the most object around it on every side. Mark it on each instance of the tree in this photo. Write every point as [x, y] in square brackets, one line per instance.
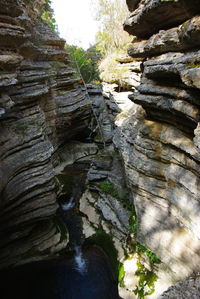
[85, 62]
[111, 15]
[48, 16]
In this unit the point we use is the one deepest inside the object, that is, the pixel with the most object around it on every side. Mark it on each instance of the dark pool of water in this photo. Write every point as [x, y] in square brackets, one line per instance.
[58, 279]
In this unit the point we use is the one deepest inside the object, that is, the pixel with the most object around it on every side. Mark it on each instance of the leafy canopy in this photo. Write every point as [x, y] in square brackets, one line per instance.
[48, 15]
[85, 62]
[111, 15]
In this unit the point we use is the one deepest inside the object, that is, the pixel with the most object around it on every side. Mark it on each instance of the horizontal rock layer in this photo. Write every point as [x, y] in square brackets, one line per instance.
[153, 15]
[42, 106]
[158, 135]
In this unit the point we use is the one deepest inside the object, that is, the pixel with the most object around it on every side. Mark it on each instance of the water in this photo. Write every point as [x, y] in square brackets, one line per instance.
[79, 261]
[69, 205]
[58, 279]
[2, 111]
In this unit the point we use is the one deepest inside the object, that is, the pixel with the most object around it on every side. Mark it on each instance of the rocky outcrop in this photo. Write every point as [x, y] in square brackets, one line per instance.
[154, 15]
[42, 106]
[160, 145]
[188, 289]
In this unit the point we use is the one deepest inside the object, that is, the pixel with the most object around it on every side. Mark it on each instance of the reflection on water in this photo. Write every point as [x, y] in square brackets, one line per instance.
[59, 279]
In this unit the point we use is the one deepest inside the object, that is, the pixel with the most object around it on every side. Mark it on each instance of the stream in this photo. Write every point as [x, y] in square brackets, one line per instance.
[80, 274]
[87, 277]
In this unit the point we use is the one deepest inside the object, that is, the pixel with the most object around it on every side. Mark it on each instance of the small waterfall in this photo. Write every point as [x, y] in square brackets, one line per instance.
[69, 205]
[80, 262]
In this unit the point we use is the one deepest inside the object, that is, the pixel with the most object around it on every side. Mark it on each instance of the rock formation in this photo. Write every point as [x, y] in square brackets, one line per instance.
[146, 151]
[42, 106]
[160, 149]
[157, 135]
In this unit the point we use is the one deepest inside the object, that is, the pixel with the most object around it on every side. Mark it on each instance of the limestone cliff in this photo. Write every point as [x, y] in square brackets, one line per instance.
[157, 135]
[42, 105]
[146, 132]
[161, 149]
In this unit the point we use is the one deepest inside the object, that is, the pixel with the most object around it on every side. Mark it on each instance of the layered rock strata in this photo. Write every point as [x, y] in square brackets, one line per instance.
[42, 105]
[161, 148]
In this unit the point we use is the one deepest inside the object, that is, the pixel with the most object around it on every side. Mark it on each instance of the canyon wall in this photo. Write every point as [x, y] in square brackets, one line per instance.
[154, 116]
[42, 105]
[146, 151]
[161, 150]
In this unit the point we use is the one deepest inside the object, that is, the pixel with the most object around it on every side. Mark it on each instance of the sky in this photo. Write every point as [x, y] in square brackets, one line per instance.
[75, 20]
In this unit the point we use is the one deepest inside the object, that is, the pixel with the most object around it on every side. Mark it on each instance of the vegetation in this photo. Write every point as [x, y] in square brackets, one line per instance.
[193, 65]
[147, 278]
[121, 275]
[152, 257]
[21, 127]
[111, 70]
[48, 16]
[109, 188]
[112, 40]
[85, 62]
[119, 194]
[111, 15]
[133, 223]
[146, 282]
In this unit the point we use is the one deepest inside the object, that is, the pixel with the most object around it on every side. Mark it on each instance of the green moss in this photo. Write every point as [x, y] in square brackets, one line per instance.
[133, 223]
[101, 110]
[192, 65]
[109, 188]
[121, 275]
[21, 127]
[147, 279]
[152, 257]
[57, 64]
[39, 44]
[119, 193]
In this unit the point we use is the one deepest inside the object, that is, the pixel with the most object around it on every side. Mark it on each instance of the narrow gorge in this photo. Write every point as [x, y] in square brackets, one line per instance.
[99, 184]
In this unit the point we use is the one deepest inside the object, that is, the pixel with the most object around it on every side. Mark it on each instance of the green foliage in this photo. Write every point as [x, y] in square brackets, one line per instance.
[121, 275]
[111, 15]
[146, 283]
[193, 65]
[85, 62]
[119, 194]
[133, 224]
[109, 188]
[21, 127]
[48, 17]
[152, 257]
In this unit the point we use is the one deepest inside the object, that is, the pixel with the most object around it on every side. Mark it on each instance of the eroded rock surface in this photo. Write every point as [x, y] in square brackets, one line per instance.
[42, 106]
[188, 289]
[160, 147]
